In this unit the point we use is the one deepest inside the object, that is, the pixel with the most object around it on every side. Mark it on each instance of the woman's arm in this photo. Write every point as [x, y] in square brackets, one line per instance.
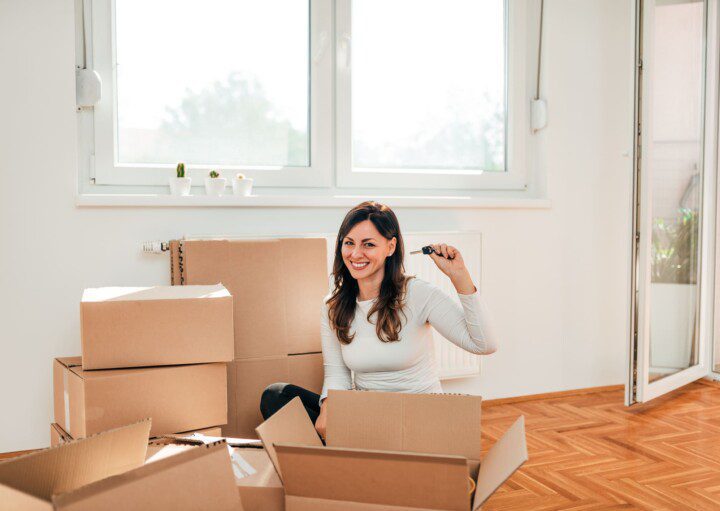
[321, 422]
[337, 374]
[468, 327]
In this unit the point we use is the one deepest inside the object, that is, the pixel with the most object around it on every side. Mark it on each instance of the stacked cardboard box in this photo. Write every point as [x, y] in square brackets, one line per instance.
[278, 286]
[155, 352]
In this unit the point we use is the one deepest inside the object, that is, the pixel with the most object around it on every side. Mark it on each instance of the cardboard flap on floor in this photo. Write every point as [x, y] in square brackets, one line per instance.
[198, 478]
[290, 424]
[424, 481]
[72, 465]
[423, 423]
[503, 459]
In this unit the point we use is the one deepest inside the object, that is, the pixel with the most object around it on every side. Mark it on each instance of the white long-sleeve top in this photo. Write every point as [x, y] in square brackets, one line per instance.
[407, 365]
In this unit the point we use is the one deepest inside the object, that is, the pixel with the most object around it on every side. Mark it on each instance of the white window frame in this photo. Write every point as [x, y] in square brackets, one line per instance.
[330, 166]
[517, 102]
[108, 171]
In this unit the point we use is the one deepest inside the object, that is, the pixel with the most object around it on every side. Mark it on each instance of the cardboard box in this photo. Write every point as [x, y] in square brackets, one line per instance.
[247, 379]
[258, 484]
[58, 435]
[278, 286]
[198, 478]
[392, 421]
[333, 478]
[177, 398]
[262, 490]
[30, 481]
[152, 326]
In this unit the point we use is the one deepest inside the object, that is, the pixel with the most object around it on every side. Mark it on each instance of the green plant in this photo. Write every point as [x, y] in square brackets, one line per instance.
[180, 170]
[214, 174]
[674, 249]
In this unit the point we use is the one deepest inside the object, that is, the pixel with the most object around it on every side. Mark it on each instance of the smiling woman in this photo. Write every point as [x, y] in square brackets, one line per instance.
[376, 323]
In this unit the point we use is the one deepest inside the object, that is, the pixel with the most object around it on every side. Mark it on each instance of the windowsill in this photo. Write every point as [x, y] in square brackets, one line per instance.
[321, 201]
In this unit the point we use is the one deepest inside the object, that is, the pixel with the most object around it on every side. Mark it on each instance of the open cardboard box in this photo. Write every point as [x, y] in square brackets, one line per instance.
[258, 484]
[413, 451]
[108, 471]
[59, 436]
[196, 478]
[177, 398]
[151, 326]
[32, 481]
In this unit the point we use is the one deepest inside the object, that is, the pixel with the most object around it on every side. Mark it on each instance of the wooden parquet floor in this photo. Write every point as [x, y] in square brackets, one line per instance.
[590, 452]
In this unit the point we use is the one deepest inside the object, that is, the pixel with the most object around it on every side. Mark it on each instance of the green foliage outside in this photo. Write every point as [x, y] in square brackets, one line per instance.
[674, 249]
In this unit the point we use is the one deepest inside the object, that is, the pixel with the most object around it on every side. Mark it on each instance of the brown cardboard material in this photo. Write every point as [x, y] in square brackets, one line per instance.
[199, 478]
[338, 476]
[177, 398]
[152, 326]
[247, 379]
[31, 480]
[334, 478]
[212, 431]
[58, 435]
[392, 421]
[291, 426]
[277, 284]
[262, 491]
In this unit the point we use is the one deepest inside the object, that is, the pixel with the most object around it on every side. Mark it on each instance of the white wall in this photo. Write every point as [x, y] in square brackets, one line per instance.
[556, 279]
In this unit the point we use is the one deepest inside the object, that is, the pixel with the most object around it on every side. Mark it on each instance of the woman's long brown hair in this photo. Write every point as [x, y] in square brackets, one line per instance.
[389, 305]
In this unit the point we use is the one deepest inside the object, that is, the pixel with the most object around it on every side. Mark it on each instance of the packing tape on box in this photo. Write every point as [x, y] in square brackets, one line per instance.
[241, 468]
[66, 400]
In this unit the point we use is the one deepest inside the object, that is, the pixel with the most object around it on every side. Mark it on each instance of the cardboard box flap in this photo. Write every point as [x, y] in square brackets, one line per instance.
[426, 481]
[503, 459]
[69, 466]
[423, 423]
[264, 474]
[12, 499]
[120, 294]
[70, 362]
[199, 478]
[290, 424]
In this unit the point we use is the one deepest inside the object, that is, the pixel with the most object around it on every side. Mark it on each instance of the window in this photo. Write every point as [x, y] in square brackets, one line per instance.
[403, 94]
[213, 85]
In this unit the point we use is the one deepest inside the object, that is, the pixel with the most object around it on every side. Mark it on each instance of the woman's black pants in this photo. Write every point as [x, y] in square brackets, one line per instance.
[277, 395]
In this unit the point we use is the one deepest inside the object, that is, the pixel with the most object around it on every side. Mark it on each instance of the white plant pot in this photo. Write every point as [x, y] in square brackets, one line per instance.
[180, 186]
[242, 187]
[215, 185]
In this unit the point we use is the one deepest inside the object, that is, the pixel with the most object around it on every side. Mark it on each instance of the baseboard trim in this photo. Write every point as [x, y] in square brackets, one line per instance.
[552, 395]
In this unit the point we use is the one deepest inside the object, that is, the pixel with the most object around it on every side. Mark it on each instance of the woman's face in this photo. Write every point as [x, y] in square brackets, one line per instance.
[364, 250]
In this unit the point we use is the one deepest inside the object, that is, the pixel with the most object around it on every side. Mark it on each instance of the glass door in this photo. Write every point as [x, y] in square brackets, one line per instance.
[674, 178]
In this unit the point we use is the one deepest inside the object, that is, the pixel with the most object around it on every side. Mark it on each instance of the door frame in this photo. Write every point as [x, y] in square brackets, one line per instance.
[639, 388]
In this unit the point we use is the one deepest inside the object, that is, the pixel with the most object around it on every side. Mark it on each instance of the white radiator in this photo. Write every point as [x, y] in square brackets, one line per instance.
[452, 361]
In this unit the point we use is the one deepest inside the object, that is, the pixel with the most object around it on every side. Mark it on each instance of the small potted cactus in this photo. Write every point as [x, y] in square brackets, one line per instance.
[242, 185]
[215, 184]
[180, 185]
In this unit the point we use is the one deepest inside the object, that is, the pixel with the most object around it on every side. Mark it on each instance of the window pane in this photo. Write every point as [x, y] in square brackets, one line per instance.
[222, 82]
[428, 84]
